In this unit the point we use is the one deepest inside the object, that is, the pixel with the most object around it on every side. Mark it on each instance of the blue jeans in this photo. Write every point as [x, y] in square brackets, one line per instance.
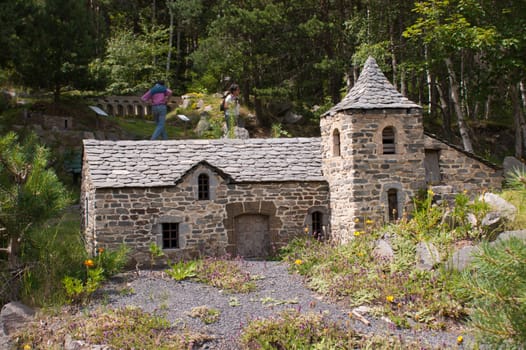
[159, 115]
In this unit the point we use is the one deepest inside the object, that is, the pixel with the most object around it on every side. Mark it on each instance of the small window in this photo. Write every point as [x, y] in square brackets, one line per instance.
[392, 201]
[170, 235]
[336, 143]
[203, 187]
[388, 140]
[65, 123]
[317, 222]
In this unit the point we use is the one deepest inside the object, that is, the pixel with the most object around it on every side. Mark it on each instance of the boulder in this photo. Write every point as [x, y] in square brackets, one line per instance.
[14, 315]
[427, 256]
[383, 251]
[498, 204]
[461, 258]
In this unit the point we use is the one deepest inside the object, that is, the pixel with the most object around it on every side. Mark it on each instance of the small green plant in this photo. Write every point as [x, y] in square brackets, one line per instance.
[79, 291]
[225, 274]
[182, 270]
[516, 179]
[206, 314]
[278, 131]
[112, 262]
[497, 287]
[155, 252]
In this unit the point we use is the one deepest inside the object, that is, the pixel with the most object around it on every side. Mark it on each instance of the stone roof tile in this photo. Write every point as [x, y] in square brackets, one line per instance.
[372, 91]
[162, 163]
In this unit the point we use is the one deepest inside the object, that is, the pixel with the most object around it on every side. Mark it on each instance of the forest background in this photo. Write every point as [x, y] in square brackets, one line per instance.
[462, 60]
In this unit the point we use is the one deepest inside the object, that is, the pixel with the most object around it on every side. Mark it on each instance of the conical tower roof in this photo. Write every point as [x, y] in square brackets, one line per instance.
[372, 91]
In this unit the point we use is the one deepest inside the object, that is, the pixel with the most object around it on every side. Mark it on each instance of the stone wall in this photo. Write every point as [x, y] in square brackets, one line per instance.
[129, 105]
[134, 215]
[462, 171]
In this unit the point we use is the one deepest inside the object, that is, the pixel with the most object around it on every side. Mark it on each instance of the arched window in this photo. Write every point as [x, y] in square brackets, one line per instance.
[203, 187]
[336, 143]
[392, 204]
[388, 140]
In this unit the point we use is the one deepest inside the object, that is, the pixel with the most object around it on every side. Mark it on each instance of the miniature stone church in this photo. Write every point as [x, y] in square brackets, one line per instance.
[195, 198]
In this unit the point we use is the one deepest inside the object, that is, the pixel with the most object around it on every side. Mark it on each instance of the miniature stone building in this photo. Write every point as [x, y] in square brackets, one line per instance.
[249, 197]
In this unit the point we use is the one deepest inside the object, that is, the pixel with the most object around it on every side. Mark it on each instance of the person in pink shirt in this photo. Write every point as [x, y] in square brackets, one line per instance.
[158, 96]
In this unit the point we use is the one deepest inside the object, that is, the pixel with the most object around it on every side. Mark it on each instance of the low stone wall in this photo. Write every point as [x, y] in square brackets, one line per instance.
[129, 105]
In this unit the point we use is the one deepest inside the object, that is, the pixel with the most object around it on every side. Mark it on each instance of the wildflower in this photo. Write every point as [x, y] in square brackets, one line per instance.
[389, 298]
[89, 263]
[356, 220]
[357, 233]
[460, 339]
[100, 250]
[430, 192]
[369, 222]
[306, 229]
[298, 262]
[27, 347]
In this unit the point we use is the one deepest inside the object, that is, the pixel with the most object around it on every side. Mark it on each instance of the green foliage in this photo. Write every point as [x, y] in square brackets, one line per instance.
[127, 65]
[30, 192]
[155, 252]
[97, 270]
[79, 291]
[293, 330]
[182, 270]
[206, 314]
[123, 328]
[516, 179]
[497, 287]
[112, 262]
[278, 131]
[225, 274]
[50, 254]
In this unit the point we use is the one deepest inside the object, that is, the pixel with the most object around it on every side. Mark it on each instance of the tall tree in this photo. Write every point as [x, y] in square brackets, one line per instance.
[55, 45]
[30, 192]
[445, 27]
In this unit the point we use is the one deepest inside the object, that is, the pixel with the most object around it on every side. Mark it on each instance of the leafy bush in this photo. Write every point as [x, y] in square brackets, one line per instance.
[182, 270]
[497, 286]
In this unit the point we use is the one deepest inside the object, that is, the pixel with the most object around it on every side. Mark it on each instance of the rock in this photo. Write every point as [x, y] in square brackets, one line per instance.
[14, 315]
[462, 258]
[500, 205]
[427, 256]
[203, 125]
[520, 234]
[383, 251]
[511, 164]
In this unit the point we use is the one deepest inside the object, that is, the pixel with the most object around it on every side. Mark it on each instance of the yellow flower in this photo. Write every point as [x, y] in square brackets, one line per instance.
[357, 233]
[389, 298]
[89, 263]
[460, 339]
[298, 262]
[306, 229]
[27, 347]
[356, 220]
[430, 192]
[369, 222]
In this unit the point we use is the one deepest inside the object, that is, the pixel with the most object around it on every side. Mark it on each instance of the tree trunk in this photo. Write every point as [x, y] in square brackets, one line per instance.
[519, 123]
[457, 104]
[170, 41]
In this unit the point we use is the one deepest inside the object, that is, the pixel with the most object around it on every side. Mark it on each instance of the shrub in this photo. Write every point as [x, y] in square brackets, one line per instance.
[225, 274]
[497, 286]
[182, 270]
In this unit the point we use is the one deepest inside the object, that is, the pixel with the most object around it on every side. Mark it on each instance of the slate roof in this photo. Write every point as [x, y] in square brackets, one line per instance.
[372, 91]
[163, 163]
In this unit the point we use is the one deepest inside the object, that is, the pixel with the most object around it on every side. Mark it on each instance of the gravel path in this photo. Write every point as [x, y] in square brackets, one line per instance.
[277, 290]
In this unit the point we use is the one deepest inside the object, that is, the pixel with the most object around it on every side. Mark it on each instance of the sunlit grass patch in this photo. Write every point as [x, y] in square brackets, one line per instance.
[126, 328]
